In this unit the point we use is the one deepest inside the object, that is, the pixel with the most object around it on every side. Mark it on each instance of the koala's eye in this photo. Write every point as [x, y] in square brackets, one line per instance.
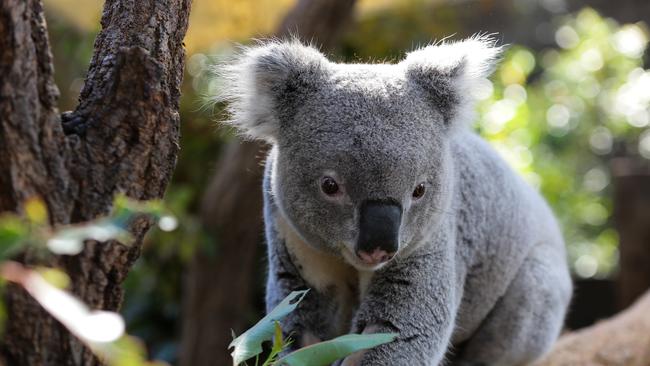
[329, 186]
[419, 191]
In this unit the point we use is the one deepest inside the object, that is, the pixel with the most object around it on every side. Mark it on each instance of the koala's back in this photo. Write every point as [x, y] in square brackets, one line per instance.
[500, 218]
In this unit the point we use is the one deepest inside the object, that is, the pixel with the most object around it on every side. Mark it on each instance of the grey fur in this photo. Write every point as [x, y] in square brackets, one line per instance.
[480, 276]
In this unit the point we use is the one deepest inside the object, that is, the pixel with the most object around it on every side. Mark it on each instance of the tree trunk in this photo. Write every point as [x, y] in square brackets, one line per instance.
[220, 288]
[631, 178]
[123, 137]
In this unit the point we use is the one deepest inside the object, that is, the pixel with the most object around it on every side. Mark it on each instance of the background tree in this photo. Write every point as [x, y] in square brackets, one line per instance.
[220, 288]
[122, 137]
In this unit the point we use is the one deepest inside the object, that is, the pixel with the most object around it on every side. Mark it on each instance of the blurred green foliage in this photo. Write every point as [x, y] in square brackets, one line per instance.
[101, 331]
[557, 117]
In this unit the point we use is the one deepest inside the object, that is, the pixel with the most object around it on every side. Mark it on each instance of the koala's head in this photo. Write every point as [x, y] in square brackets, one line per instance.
[362, 160]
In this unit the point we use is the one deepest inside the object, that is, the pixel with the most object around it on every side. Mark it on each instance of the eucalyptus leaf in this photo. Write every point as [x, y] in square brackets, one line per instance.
[54, 277]
[70, 240]
[324, 353]
[249, 344]
[278, 345]
[36, 210]
[13, 233]
[278, 342]
[90, 326]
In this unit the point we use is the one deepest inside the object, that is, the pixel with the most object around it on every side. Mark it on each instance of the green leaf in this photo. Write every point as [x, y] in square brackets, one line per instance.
[278, 345]
[70, 240]
[13, 233]
[126, 351]
[278, 342]
[125, 208]
[36, 211]
[250, 342]
[324, 353]
[54, 277]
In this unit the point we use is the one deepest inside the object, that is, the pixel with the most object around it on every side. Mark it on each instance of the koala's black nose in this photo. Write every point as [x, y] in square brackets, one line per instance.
[379, 224]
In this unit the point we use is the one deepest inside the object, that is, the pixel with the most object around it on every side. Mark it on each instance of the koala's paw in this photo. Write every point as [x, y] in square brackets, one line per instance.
[308, 338]
[352, 360]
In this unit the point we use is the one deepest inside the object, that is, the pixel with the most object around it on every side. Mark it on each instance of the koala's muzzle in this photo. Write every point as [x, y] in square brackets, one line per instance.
[379, 224]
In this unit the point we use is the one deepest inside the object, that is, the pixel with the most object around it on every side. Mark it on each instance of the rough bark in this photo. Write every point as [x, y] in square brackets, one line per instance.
[219, 288]
[631, 178]
[123, 137]
[32, 144]
[623, 340]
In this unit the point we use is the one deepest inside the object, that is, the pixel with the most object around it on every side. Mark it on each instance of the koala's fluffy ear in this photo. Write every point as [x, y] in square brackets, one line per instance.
[263, 82]
[450, 71]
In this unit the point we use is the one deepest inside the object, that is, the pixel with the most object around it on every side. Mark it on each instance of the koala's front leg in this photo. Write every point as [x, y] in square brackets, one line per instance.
[311, 322]
[526, 321]
[414, 297]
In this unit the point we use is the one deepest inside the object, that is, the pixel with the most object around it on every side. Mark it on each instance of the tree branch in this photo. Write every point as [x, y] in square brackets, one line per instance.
[128, 110]
[123, 137]
[623, 340]
[32, 145]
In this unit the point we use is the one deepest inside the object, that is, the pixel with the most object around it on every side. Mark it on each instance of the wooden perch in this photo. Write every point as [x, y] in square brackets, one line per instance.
[623, 340]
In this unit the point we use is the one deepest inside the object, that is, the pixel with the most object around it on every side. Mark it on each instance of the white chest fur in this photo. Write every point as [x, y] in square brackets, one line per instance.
[327, 274]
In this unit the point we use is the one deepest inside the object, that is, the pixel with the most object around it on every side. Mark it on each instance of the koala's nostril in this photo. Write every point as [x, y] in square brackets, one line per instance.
[376, 257]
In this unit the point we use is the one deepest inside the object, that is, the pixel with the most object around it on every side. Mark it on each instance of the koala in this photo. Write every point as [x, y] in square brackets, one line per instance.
[380, 198]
